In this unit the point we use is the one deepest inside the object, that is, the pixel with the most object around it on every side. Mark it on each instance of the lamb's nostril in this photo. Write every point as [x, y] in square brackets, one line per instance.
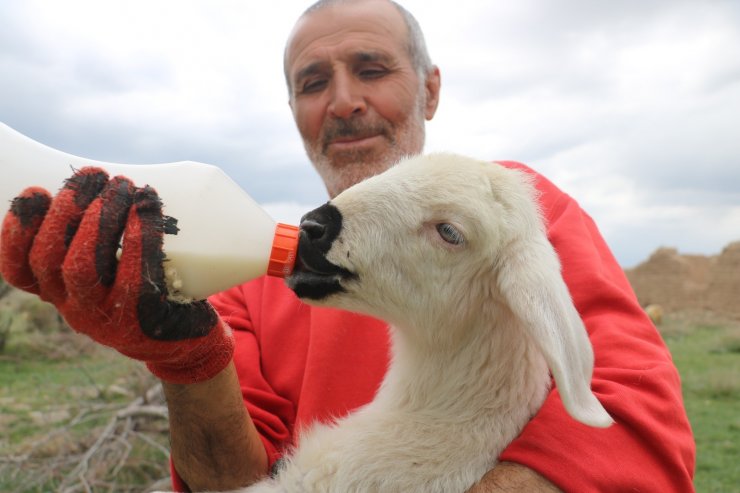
[314, 230]
[320, 227]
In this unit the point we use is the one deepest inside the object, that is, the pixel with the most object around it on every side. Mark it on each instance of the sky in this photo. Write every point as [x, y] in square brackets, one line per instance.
[631, 107]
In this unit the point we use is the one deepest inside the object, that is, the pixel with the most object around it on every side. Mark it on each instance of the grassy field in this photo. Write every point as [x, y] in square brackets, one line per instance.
[707, 354]
[75, 417]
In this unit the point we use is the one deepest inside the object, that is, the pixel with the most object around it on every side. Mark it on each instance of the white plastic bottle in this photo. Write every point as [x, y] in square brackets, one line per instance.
[225, 238]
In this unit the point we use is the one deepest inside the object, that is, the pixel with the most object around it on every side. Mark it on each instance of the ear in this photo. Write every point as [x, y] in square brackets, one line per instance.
[531, 282]
[432, 86]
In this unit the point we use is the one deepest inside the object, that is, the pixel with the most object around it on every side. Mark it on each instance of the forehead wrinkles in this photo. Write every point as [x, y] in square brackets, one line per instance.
[316, 36]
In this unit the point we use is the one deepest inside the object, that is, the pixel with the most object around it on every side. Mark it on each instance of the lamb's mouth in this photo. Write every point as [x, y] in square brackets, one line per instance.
[315, 278]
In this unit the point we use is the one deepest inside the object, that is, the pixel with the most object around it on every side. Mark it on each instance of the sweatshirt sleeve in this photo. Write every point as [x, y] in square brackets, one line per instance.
[650, 447]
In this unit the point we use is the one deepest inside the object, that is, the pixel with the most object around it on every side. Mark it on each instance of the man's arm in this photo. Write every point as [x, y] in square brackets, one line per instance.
[63, 248]
[215, 445]
[509, 477]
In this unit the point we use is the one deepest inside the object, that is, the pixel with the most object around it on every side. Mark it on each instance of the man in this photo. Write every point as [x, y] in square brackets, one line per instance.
[361, 85]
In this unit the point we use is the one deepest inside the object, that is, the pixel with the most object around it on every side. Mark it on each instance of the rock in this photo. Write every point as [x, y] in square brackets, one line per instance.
[50, 417]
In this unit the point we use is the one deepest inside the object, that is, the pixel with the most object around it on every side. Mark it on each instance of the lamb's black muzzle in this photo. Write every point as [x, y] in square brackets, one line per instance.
[314, 276]
[320, 227]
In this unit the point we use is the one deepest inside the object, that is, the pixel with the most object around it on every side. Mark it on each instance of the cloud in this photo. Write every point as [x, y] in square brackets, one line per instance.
[157, 82]
[631, 107]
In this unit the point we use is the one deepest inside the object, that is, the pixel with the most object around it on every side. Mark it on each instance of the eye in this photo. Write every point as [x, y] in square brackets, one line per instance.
[450, 234]
[311, 86]
[372, 73]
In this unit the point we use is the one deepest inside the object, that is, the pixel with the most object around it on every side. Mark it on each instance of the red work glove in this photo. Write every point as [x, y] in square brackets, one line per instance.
[64, 250]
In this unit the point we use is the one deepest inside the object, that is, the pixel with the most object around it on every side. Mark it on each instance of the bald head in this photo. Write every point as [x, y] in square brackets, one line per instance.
[414, 37]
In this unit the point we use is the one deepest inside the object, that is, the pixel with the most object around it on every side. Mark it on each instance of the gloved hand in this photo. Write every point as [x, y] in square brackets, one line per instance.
[64, 250]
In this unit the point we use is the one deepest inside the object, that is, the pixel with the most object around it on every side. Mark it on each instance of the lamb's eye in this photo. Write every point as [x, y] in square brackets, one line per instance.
[450, 234]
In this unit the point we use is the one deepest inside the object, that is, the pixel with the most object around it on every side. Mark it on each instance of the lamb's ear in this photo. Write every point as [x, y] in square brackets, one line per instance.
[530, 280]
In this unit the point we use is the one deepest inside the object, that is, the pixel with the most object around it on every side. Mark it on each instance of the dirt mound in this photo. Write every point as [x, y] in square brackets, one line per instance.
[690, 282]
[723, 291]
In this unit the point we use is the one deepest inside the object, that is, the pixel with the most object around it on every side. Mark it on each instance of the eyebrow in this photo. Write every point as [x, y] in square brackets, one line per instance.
[309, 70]
[371, 56]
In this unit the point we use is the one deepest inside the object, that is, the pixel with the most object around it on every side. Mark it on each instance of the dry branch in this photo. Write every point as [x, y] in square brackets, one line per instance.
[96, 463]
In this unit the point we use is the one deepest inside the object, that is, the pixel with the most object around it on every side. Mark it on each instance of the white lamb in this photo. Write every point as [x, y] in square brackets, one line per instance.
[453, 254]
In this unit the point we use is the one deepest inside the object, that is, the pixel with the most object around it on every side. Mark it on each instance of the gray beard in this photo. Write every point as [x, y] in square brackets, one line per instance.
[351, 167]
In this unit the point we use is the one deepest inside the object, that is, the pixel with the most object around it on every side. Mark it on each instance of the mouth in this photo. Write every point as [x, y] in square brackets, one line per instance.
[314, 277]
[353, 141]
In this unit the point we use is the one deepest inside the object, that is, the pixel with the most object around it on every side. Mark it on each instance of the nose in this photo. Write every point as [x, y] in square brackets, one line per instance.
[320, 227]
[347, 98]
[313, 229]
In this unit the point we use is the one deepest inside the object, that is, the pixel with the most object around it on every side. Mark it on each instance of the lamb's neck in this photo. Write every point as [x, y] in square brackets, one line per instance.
[493, 370]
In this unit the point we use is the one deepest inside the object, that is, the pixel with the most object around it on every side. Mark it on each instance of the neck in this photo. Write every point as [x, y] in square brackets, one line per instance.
[493, 372]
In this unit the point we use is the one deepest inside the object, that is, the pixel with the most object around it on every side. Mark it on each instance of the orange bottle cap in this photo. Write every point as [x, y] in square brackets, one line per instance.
[284, 248]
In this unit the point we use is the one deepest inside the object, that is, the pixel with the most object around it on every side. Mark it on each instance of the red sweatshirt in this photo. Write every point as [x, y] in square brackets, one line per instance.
[298, 364]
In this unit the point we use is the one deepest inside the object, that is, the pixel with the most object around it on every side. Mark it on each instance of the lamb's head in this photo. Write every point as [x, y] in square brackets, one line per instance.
[418, 244]
[406, 245]
[439, 241]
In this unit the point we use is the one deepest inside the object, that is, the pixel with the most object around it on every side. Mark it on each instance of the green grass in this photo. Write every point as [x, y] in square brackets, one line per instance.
[708, 359]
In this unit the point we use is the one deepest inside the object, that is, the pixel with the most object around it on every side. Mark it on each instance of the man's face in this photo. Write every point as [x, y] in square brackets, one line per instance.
[357, 101]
